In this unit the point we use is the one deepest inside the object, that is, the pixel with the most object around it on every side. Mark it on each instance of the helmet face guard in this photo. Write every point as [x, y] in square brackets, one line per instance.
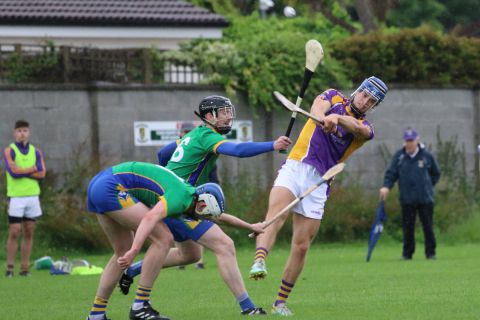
[212, 195]
[229, 113]
[221, 108]
[375, 88]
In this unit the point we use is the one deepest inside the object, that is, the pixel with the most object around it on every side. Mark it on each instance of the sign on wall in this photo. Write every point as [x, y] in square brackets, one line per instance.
[160, 133]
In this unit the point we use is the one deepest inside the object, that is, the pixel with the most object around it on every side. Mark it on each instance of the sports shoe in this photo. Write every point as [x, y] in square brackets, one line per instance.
[9, 274]
[253, 312]
[24, 274]
[258, 270]
[146, 312]
[124, 283]
[281, 310]
[200, 265]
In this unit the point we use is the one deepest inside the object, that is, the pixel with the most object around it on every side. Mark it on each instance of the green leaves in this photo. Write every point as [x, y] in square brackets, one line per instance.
[257, 57]
[414, 56]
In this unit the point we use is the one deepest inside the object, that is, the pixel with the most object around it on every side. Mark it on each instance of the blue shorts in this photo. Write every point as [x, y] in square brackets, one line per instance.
[184, 228]
[105, 193]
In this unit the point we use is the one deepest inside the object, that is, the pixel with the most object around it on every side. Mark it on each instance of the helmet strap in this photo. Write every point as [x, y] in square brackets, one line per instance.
[221, 130]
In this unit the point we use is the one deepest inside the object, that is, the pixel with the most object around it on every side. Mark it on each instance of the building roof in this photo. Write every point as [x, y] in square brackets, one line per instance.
[107, 13]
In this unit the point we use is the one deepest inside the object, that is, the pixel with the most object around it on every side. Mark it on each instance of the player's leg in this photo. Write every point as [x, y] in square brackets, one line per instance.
[425, 212]
[161, 241]
[182, 230]
[184, 253]
[304, 231]
[16, 211]
[120, 239]
[200, 263]
[32, 212]
[224, 248]
[280, 197]
[408, 224]
[26, 245]
[14, 229]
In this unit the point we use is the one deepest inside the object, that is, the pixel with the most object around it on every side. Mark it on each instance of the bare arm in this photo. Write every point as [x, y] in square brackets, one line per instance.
[239, 223]
[149, 220]
[350, 124]
[320, 107]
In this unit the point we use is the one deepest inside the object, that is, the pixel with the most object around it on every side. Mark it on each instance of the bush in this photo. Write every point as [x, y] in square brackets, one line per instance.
[34, 68]
[66, 223]
[411, 56]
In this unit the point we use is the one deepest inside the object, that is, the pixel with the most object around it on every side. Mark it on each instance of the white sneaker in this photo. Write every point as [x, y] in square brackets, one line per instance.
[281, 310]
[258, 270]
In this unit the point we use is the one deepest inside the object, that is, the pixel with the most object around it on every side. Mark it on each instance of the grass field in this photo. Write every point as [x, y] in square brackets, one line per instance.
[337, 283]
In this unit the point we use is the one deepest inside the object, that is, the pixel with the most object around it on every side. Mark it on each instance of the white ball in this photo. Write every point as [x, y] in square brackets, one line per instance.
[289, 12]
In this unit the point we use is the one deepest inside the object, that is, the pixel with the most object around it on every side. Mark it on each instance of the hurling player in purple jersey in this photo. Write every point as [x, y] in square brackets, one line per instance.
[318, 148]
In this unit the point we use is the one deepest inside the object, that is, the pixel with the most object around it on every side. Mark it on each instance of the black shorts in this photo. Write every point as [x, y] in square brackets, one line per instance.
[12, 220]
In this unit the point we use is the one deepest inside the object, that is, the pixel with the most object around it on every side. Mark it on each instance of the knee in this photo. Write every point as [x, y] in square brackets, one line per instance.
[301, 248]
[13, 232]
[227, 248]
[121, 248]
[192, 256]
[165, 240]
[28, 233]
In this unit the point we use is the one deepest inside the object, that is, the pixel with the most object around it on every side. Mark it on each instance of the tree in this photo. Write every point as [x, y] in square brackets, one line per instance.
[445, 14]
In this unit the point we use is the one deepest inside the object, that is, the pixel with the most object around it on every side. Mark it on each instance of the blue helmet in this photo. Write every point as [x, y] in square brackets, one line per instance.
[212, 195]
[375, 87]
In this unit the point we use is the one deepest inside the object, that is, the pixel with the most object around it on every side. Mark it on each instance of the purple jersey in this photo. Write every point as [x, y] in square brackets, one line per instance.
[322, 150]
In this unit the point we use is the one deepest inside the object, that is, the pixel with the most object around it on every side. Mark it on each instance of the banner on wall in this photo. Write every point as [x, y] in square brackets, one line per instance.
[160, 133]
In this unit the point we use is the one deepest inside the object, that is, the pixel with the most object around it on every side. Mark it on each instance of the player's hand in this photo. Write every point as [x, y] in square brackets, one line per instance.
[282, 143]
[330, 123]
[257, 228]
[384, 193]
[127, 259]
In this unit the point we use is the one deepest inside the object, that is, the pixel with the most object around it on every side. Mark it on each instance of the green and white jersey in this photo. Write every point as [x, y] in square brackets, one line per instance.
[195, 155]
[151, 183]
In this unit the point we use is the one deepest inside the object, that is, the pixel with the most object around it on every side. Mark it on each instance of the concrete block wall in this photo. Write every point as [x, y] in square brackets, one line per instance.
[75, 121]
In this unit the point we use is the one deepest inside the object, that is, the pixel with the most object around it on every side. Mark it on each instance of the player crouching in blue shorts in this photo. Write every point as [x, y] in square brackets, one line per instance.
[135, 196]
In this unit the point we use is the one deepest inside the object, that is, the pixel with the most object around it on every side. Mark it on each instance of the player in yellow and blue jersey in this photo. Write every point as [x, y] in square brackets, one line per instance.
[318, 148]
[193, 158]
[136, 196]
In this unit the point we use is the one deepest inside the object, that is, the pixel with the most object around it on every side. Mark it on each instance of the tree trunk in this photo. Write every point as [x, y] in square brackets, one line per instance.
[325, 9]
[365, 14]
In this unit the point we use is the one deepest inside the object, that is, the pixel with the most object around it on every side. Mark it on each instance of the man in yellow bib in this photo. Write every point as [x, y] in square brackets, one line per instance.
[24, 168]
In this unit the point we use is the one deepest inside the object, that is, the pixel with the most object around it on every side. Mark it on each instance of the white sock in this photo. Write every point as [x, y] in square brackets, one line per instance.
[137, 306]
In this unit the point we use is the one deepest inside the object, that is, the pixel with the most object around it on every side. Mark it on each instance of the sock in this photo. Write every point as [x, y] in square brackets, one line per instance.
[142, 295]
[99, 308]
[261, 253]
[135, 269]
[283, 292]
[245, 302]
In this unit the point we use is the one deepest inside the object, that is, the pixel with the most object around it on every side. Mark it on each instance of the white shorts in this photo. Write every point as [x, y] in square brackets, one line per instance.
[25, 207]
[297, 177]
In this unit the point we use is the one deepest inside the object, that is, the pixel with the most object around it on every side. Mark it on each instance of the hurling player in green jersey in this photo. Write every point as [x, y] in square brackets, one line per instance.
[136, 196]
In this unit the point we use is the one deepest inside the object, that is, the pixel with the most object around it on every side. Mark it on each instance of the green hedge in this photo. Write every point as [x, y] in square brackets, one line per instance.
[411, 56]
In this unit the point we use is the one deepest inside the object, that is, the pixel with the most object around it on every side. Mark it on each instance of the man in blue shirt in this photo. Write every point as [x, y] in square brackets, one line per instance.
[417, 173]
